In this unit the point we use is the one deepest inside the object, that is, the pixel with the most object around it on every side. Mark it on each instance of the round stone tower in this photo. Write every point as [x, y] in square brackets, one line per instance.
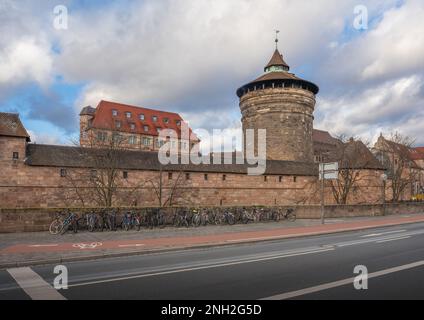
[283, 104]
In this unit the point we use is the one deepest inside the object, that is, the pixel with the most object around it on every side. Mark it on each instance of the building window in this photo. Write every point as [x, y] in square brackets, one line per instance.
[128, 115]
[132, 140]
[114, 113]
[93, 174]
[294, 179]
[224, 177]
[155, 119]
[265, 178]
[280, 179]
[15, 155]
[101, 136]
[132, 126]
[63, 173]
[141, 116]
[206, 177]
[118, 124]
[178, 122]
[125, 174]
[166, 120]
[146, 128]
[169, 175]
[188, 177]
[146, 141]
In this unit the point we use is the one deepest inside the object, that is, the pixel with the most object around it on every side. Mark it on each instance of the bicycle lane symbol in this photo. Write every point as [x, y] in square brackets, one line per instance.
[84, 246]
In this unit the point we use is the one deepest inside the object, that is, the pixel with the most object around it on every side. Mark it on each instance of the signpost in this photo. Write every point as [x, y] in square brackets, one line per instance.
[327, 171]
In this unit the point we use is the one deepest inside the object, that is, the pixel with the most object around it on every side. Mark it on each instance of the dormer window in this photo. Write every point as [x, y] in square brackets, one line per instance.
[146, 128]
[178, 122]
[128, 115]
[118, 124]
[141, 116]
[115, 113]
[166, 120]
[132, 126]
[155, 119]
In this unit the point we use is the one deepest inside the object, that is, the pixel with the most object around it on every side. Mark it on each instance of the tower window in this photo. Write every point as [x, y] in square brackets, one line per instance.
[15, 155]
[265, 178]
[206, 177]
[224, 177]
[280, 179]
[63, 173]
[188, 176]
[294, 179]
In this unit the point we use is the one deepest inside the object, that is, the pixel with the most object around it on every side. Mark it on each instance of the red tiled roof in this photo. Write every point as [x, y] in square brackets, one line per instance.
[417, 153]
[104, 119]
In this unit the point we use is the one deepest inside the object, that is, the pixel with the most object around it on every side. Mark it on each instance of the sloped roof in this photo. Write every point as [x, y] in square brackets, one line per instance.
[11, 125]
[417, 153]
[77, 157]
[104, 119]
[320, 136]
[353, 154]
[277, 60]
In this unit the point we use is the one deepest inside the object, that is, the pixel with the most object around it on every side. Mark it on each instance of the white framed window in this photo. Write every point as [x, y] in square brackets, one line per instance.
[132, 140]
[114, 113]
[128, 115]
[155, 119]
[146, 141]
[132, 126]
[141, 117]
[146, 128]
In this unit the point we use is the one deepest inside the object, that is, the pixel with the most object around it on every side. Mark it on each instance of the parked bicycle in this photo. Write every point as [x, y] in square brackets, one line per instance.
[61, 225]
[225, 218]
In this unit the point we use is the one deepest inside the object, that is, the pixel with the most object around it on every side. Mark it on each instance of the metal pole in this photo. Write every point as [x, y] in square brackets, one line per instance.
[322, 196]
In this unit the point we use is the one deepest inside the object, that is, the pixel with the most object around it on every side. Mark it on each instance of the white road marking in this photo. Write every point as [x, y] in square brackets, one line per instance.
[42, 245]
[382, 233]
[33, 285]
[302, 292]
[131, 245]
[393, 239]
[212, 266]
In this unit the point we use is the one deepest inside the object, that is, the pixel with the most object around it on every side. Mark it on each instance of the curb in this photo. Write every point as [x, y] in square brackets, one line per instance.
[30, 263]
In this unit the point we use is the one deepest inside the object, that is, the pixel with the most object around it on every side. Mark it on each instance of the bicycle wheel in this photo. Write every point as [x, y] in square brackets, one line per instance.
[291, 217]
[56, 227]
[231, 220]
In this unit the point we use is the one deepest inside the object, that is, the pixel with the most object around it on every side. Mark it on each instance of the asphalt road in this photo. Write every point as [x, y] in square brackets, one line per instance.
[319, 267]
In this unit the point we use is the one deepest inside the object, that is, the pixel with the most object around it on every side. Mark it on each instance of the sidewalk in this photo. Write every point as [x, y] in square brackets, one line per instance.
[42, 248]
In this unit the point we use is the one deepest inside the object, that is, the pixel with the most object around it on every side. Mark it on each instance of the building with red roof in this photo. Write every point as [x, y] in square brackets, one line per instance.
[138, 127]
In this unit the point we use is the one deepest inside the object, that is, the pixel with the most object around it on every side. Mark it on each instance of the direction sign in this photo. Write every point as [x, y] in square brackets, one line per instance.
[329, 170]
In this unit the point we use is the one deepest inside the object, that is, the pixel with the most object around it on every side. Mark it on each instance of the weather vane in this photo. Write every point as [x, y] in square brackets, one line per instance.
[276, 38]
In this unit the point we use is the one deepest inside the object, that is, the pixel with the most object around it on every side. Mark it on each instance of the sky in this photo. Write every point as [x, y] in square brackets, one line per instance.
[190, 56]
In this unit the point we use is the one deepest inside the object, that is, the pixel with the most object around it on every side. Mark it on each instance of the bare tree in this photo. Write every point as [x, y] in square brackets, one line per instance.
[395, 154]
[102, 176]
[175, 189]
[354, 158]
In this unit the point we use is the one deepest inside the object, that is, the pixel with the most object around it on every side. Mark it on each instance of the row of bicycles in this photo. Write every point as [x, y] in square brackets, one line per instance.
[135, 219]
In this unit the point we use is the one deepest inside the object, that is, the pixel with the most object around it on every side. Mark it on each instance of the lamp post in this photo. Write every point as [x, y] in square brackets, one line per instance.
[383, 192]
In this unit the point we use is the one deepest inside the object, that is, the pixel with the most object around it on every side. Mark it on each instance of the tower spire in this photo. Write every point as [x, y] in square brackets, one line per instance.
[276, 39]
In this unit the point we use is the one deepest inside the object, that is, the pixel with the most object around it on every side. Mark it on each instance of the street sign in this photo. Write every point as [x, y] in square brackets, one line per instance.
[329, 170]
